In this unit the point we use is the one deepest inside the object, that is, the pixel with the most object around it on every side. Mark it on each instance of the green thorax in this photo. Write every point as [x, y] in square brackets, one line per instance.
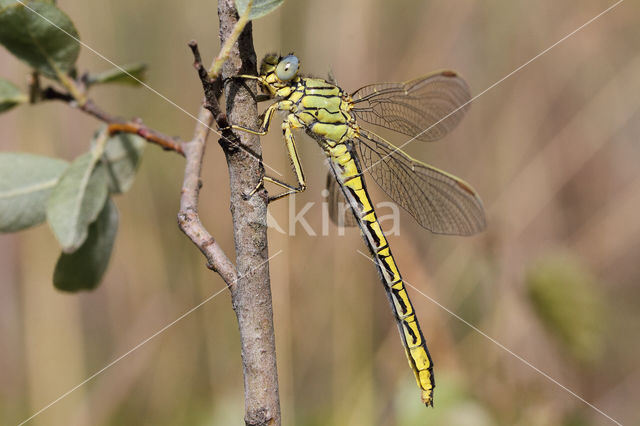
[321, 108]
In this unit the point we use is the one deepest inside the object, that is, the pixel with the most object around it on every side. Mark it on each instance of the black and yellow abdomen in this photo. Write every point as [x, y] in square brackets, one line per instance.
[348, 172]
[323, 110]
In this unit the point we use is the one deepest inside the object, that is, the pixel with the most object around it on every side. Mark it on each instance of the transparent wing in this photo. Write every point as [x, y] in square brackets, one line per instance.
[426, 108]
[440, 202]
[340, 211]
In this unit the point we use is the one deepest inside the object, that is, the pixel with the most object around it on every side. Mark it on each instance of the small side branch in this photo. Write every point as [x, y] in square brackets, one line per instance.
[188, 218]
[116, 124]
[167, 143]
[212, 88]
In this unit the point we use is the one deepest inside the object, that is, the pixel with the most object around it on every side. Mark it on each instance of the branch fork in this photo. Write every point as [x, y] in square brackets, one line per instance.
[248, 281]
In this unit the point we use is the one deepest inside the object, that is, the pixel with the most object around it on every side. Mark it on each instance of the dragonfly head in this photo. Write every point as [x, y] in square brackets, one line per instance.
[277, 72]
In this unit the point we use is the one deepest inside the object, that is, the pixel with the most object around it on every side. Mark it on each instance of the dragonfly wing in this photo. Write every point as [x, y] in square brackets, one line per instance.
[426, 108]
[440, 202]
[339, 210]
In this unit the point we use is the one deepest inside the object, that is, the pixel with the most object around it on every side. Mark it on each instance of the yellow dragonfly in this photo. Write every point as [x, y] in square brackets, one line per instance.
[425, 109]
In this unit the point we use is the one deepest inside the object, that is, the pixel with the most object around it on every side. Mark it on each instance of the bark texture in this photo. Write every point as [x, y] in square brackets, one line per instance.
[251, 295]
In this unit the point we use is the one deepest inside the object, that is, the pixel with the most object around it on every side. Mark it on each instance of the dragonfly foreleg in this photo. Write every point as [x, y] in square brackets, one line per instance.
[260, 97]
[266, 122]
[266, 118]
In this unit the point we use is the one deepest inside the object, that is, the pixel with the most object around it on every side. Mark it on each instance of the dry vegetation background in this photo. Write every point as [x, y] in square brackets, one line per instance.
[553, 151]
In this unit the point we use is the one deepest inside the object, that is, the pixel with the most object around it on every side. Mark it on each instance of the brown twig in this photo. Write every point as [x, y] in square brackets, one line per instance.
[251, 296]
[212, 88]
[92, 109]
[116, 124]
[251, 291]
[188, 218]
[167, 143]
[34, 87]
[53, 94]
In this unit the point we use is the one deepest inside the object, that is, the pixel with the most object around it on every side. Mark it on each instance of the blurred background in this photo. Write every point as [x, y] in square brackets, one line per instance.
[552, 150]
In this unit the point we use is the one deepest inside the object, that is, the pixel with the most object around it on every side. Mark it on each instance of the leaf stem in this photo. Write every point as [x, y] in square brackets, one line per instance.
[101, 142]
[223, 55]
[74, 90]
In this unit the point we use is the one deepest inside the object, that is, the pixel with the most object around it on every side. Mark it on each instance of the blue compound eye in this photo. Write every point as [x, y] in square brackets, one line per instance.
[287, 68]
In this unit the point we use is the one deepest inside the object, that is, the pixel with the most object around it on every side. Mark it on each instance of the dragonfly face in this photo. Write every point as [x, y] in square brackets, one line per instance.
[278, 73]
[425, 109]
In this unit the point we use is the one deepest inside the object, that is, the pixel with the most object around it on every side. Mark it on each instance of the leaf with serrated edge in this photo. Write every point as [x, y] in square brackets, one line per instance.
[76, 201]
[121, 158]
[40, 34]
[259, 9]
[83, 269]
[10, 95]
[133, 74]
[26, 181]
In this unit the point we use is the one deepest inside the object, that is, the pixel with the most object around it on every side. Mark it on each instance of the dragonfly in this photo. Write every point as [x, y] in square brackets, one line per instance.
[426, 109]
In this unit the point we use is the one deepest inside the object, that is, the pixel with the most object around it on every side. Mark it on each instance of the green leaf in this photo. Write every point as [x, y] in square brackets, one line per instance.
[565, 296]
[10, 95]
[259, 8]
[76, 201]
[117, 75]
[40, 34]
[83, 269]
[25, 184]
[121, 158]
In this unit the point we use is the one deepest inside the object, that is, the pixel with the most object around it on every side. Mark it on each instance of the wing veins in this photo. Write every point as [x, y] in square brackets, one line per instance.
[426, 108]
[438, 201]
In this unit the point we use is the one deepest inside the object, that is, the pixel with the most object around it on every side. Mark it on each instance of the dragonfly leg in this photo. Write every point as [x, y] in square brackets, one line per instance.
[263, 97]
[266, 122]
[266, 118]
[260, 97]
[290, 189]
[287, 130]
[244, 76]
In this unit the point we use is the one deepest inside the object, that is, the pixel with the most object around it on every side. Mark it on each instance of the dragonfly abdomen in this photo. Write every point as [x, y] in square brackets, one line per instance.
[349, 174]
